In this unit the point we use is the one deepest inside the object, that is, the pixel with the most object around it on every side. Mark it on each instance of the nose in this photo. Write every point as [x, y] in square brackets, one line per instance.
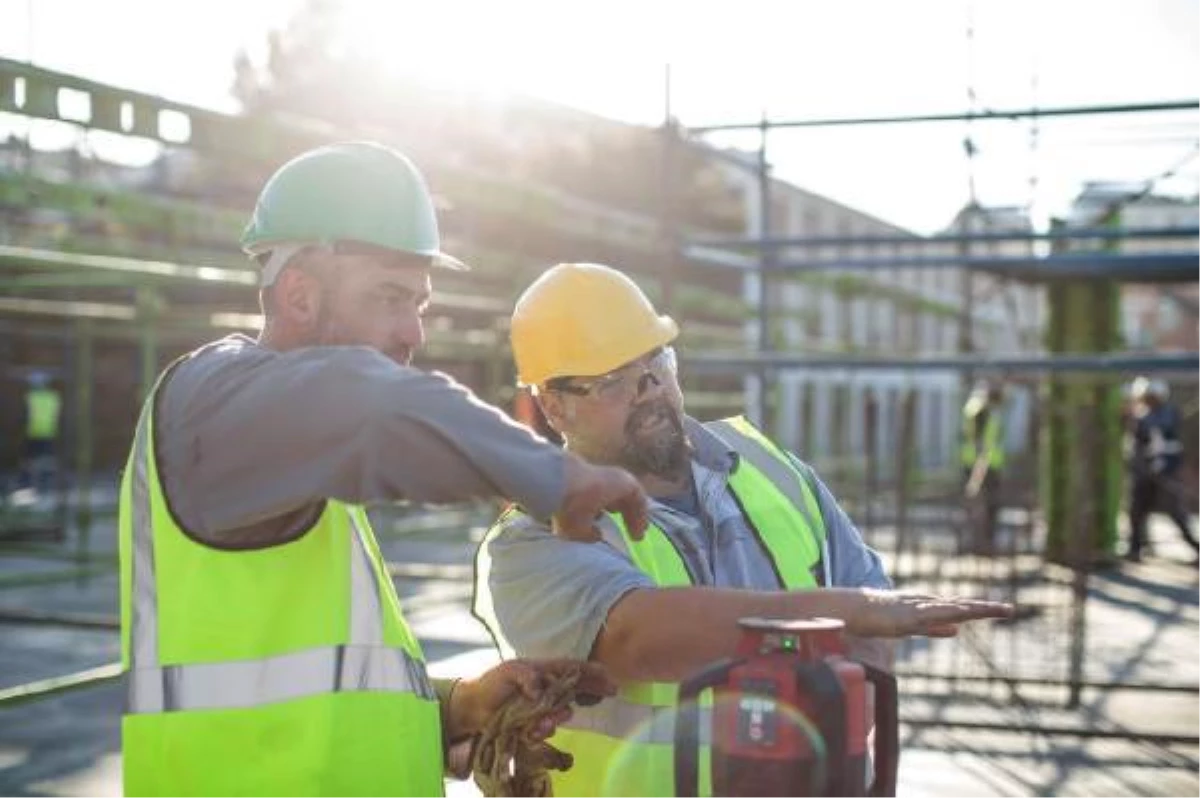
[411, 331]
[648, 386]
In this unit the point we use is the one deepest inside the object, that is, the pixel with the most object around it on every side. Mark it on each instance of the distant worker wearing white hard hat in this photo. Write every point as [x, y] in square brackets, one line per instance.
[1155, 456]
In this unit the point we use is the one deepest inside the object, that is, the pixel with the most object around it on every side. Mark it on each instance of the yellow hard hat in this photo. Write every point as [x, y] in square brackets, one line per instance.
[582, 320]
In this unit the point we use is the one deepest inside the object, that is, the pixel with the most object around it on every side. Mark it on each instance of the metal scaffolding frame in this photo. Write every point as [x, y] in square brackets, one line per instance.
[767, 254]
[134, 313]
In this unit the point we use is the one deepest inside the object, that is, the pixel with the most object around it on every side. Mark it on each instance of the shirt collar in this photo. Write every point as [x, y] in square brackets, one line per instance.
[709, 450]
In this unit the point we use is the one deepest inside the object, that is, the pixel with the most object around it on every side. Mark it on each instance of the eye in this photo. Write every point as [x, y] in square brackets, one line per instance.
[611, 385]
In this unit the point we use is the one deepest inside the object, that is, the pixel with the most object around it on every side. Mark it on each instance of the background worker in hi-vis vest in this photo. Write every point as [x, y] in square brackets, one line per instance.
[983, 457]
[266, 649]
[43, 414]
[738, 527]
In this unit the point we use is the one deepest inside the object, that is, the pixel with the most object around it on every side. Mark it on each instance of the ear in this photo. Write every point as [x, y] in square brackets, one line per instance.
[298, 297]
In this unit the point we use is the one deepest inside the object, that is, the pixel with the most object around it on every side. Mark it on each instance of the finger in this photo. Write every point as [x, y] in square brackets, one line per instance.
[960, 603]
[594, 680]
[962, 612]
[546, 725]
[941, 630]
[542, 730]
[634, 508]
[527, 679]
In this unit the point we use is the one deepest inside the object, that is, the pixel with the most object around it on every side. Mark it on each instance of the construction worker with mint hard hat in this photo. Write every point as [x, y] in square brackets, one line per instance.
[739, 527]
[266, 649]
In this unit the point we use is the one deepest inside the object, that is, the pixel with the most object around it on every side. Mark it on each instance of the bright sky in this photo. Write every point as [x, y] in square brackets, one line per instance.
[730, 62]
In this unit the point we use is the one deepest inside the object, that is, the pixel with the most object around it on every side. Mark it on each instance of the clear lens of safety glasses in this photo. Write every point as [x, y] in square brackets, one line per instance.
[626, 384]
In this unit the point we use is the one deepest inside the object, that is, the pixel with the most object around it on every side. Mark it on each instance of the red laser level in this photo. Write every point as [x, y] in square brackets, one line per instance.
[790, 716]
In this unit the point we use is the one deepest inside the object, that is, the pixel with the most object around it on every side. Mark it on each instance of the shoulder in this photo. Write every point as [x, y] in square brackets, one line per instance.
[741, 435]
[515, 525]
[515, 533]
[230, 353]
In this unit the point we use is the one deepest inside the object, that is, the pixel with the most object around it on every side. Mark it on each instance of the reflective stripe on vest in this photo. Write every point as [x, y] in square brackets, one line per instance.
[234, 685]
[363, 664]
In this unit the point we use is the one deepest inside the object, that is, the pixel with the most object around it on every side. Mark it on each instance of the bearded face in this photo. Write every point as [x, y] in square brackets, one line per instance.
[654, 441]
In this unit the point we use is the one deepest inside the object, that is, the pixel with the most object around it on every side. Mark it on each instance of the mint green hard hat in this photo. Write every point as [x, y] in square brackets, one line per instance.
[349, 192]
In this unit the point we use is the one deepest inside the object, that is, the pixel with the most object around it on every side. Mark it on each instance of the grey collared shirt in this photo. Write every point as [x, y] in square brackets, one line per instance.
[551, 596]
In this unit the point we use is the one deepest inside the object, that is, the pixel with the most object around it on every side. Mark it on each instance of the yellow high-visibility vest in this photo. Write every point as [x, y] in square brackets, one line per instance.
[993, 438]
[284, 670]
[42, 409]
[625, 744]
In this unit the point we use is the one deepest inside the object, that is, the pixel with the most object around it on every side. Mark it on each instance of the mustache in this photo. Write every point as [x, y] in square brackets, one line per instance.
[641, 414]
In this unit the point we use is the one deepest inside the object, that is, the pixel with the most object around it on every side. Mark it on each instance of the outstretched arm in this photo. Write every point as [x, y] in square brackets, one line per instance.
[665, 634]
[256, 434]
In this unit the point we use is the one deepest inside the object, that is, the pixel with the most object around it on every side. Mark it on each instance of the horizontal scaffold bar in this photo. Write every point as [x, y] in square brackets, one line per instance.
[959, 116]
[1124, 362]
[1107, 234]
[1134, 267]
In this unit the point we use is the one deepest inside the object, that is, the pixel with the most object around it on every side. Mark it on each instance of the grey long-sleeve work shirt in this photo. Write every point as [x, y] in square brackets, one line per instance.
[552, 596]
[251, 440]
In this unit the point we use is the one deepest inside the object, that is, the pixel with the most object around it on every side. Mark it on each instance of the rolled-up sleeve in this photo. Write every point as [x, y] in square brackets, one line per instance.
[550, 597]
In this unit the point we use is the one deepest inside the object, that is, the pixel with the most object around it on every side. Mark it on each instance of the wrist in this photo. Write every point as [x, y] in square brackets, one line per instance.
[459, 711]
[849, 605]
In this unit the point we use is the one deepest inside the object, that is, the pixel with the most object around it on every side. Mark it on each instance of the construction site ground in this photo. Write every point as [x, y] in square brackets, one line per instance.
[966, 738]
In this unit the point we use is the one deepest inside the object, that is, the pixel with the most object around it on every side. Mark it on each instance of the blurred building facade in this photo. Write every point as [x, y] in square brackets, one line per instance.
[532, 185]
[1153, 317]
[900, 310]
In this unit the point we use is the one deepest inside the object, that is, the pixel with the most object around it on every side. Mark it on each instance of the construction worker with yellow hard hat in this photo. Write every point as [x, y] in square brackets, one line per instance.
[738, 527]
[266, 649]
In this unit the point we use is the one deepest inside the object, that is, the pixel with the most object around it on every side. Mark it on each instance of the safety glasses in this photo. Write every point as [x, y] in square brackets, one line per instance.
[624, 384]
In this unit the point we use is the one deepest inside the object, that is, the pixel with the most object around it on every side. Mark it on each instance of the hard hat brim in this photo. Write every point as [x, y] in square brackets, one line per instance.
[443, 261]
[663, 332]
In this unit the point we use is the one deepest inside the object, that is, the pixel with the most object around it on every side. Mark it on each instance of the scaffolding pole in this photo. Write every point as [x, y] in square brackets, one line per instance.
[969, 116]
[1131, 363]
[766, 264]
[1103, 233]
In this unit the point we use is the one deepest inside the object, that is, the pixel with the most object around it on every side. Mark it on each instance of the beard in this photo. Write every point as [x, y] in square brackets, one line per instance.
[663, 451]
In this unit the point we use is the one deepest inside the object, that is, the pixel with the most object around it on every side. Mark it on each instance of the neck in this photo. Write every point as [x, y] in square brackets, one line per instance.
[655, 485]
[276, 336]
[658, 486]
